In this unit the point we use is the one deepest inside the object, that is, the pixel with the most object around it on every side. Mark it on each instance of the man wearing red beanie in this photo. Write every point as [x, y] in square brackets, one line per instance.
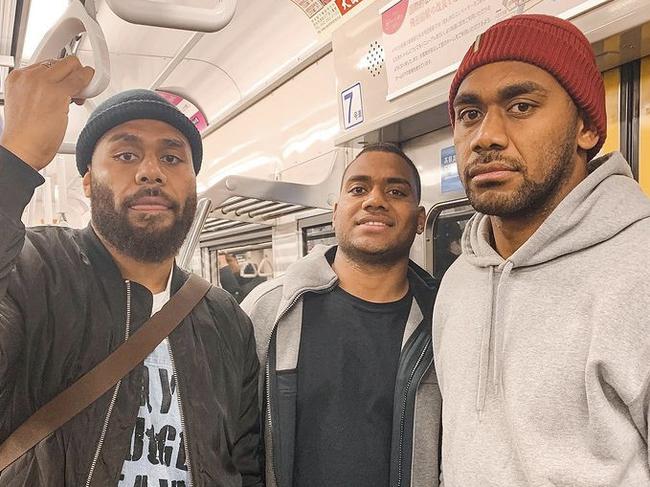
[541, 336]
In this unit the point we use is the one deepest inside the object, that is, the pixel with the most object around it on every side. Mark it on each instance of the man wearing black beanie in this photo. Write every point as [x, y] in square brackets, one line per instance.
[188, 414]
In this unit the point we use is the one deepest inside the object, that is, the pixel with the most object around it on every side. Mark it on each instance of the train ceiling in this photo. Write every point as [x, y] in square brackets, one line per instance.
[219, 74]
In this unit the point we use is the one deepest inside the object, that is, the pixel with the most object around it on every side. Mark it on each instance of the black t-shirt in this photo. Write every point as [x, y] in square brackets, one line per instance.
[349, 353]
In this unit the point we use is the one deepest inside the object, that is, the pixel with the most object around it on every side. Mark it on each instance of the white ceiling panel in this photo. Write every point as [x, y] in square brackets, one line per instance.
[300, 125]
[263, 38]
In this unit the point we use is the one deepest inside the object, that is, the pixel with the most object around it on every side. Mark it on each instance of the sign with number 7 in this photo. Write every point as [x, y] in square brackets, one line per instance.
[352, 106]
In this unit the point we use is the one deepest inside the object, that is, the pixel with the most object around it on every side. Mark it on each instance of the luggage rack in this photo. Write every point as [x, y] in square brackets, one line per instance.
[240, 203]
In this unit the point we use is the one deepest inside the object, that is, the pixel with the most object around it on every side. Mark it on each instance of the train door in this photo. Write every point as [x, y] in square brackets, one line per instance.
[627, 91]
[644, 125]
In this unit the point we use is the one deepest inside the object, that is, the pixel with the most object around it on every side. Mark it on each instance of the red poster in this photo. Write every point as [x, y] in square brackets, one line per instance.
[346, 5]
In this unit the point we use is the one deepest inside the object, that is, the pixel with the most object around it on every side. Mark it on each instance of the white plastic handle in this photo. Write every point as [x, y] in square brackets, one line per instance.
[265, 269]
[74, 21]
[173, 16]
[252, 273]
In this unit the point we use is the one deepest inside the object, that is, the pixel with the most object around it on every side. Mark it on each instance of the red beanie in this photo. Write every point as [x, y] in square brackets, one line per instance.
[553, 44]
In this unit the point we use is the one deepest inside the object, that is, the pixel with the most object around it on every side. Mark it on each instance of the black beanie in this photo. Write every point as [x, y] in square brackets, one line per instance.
[134, 105]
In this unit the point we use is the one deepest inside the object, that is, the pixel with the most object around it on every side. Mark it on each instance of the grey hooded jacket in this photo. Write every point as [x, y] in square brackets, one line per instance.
[275, 309]
[544, 357]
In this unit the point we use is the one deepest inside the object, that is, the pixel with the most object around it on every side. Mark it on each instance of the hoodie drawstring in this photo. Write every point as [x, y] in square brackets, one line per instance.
[494, 318]
[499, 345]
[486, 337]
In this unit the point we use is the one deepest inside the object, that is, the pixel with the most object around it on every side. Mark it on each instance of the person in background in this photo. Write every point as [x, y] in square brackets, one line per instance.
[345, 336]
[541, 325]
[228, 276]
[188, 415]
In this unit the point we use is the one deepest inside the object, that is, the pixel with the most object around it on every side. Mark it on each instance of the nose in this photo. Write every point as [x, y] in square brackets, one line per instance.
[150, 171]
[491, 134]
[375, 199]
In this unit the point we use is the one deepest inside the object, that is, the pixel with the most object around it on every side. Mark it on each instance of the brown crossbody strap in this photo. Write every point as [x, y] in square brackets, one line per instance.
[105, 375]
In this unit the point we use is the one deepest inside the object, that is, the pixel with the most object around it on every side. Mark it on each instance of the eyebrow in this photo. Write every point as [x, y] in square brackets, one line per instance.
[524, 88]
[173, 143]
[504, 94]
[367, 179]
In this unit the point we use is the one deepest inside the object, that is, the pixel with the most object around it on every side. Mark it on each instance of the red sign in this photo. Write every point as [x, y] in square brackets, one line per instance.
[393, 18]
[346, 5]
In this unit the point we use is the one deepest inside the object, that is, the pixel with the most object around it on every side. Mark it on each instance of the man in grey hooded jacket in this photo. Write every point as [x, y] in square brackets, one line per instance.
[541, 336]
[350, 393]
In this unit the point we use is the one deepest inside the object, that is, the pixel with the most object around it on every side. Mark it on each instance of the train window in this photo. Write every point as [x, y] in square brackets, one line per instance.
[316, 230]
[318, 235]
[446, 224]
[240, 270]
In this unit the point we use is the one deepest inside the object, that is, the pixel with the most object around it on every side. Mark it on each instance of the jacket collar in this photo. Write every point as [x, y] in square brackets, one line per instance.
[314, 273]
[111, 278]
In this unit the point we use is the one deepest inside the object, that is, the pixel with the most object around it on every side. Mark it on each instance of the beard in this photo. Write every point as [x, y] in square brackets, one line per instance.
[531, 195]
[385, 255]
[147, 243]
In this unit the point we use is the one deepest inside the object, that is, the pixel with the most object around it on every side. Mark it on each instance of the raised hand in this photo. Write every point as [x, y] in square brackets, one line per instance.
[37, 101]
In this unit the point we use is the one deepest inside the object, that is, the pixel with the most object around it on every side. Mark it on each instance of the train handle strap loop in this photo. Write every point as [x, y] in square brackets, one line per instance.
[76, 20]
[174, 16]
[91, 386]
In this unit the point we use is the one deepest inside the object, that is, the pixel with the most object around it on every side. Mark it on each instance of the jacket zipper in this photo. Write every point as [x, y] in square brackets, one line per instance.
[403, 417]
[268, 407]
[102, 436]
[186, 442]
[268, 367]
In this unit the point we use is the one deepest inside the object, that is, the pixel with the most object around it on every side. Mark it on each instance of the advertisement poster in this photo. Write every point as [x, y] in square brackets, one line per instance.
[324, 13]
[426, 39]
[187, 108]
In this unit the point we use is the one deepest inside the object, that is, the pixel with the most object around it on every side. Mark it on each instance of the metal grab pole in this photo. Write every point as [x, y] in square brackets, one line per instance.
[191, 241]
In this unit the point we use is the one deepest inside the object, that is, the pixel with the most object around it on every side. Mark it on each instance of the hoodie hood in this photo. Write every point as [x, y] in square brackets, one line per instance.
[600, 207]
[607, 202]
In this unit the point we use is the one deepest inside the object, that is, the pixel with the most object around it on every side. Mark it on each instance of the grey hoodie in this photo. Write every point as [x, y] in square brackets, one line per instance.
[543, 359]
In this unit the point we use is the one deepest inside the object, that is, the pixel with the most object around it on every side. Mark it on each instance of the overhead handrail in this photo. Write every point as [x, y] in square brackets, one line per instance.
[173, 16]
[74, 21]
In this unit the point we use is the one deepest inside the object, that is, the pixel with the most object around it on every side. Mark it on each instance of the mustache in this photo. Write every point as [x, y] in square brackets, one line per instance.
[493, 156]
[153, 192]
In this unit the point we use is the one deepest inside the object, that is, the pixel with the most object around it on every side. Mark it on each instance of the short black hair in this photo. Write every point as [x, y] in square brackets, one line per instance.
[392, 149]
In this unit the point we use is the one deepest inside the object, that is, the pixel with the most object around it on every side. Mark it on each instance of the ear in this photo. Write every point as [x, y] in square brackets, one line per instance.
[587, 137]
[86, 180]
[422, 217]
[336, 205]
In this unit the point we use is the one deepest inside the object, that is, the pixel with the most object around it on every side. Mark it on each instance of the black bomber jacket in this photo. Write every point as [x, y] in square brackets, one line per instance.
[63, 308]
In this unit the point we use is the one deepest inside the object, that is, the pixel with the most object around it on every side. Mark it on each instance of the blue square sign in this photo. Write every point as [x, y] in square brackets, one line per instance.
[449, 178]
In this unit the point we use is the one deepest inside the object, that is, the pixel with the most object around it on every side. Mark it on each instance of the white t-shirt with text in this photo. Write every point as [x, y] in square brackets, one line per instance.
[156, 457]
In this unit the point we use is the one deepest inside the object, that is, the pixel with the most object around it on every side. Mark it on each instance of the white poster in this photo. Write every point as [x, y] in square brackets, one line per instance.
[426, 39]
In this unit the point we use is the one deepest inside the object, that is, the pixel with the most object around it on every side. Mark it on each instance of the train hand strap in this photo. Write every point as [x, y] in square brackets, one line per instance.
[90, 387]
